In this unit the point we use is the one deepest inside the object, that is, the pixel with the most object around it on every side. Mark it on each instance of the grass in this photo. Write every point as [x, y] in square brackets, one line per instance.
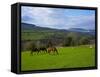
[69, 57]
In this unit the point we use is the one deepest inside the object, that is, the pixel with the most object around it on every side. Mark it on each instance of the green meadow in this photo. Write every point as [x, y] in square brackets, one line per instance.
[68, 57]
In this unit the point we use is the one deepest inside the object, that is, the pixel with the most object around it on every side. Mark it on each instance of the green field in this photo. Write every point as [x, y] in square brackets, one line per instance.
[69, 57]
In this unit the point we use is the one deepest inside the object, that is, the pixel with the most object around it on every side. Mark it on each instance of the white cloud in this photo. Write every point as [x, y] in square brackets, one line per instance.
[76, 21]
[40, 15]
[56, 18]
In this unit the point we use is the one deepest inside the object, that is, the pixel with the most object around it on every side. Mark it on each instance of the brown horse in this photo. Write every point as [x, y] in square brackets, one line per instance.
[52, 49]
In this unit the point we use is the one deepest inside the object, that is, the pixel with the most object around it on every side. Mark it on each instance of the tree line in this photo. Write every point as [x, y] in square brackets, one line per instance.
[71, 39]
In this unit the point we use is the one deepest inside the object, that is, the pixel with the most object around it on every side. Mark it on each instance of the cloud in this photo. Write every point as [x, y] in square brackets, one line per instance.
[58, 18]
[37, 15]
[81, 21]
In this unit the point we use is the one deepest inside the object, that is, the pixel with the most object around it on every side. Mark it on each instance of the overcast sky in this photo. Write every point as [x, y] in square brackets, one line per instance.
[58, 18]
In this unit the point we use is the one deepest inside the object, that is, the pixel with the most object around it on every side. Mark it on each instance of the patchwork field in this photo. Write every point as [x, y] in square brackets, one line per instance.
[69, 57]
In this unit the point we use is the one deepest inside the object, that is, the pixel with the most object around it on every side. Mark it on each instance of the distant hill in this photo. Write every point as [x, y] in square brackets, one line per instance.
[26, 26]
[32, 27]
[92, 32]
[78, 30]
[31, 32]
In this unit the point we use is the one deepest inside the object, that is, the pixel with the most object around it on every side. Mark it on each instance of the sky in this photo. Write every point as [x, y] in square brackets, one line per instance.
[58, 18]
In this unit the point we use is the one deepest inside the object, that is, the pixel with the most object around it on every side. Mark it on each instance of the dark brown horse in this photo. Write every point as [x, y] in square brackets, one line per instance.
[43, 49]
[35, 50]
[38, 50]
[52, 49]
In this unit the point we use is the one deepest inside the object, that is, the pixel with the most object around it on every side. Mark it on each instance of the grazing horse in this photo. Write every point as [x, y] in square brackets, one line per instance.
[35, 50]
[43, 49]
[52, 49]
[38, 50]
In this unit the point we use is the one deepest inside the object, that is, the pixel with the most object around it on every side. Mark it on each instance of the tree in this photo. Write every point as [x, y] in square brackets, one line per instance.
[71, 39]
[84, 40]
[50, 44]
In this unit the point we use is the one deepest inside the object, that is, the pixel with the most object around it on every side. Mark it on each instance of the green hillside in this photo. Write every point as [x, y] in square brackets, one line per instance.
[58, 37]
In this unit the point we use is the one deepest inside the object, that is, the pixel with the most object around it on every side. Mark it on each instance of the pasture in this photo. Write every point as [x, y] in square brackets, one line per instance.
[69, 57]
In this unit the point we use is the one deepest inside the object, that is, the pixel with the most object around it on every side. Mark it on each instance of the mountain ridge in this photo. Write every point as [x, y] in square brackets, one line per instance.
[26, 26]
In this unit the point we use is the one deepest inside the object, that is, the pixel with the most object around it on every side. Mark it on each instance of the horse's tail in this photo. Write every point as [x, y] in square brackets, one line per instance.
[46, 50]
[55, 49]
